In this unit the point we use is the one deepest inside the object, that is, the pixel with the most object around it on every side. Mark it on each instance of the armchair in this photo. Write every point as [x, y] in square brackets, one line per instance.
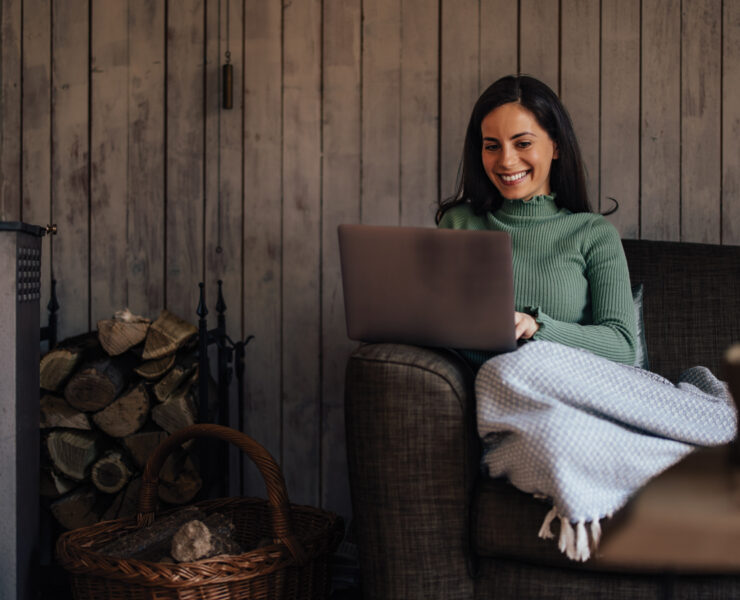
[430, 526]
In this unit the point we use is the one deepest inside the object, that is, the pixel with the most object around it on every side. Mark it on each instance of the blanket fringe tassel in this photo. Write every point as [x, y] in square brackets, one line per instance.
[574, 539]
[545, 531]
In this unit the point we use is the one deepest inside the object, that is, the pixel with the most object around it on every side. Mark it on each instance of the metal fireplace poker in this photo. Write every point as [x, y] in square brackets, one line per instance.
[228, 352]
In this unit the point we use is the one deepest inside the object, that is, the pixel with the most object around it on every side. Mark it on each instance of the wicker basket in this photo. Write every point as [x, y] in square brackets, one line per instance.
[295, 566]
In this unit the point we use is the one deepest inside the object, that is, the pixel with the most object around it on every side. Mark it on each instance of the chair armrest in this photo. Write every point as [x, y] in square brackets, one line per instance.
[413, 456]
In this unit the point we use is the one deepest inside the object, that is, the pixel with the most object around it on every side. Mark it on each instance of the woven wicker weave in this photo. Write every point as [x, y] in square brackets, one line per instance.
[294, 567]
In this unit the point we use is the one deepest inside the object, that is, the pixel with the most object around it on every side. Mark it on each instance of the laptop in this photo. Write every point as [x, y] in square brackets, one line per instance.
[428, 287]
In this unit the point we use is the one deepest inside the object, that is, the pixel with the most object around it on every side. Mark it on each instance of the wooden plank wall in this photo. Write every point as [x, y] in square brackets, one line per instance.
[344, 111]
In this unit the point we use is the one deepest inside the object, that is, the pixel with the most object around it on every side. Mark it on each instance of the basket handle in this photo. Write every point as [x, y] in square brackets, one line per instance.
[271, 474]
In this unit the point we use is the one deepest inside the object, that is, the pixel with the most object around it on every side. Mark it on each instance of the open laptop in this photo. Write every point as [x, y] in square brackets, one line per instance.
[427, 286]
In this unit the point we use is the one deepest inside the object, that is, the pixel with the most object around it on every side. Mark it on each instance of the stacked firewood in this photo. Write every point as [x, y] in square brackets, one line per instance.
[186, 535]
[108, 398]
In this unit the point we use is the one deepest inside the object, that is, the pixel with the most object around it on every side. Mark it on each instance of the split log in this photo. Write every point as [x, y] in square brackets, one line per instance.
[179, 479]
[53, 485]
[126, 415]
[154, 369]
[141, 445]
[166, 335]
[72, 452]
[153, 542]
[58, 364]
[77, 509]
[126, 503]
[124, 331]
[98, 383]
[55, 412]
[110, 473]
[197, 540]
[177, 412]
[180, 373]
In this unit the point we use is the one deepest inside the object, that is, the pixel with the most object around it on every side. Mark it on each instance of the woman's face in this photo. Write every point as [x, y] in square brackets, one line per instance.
[517, 152]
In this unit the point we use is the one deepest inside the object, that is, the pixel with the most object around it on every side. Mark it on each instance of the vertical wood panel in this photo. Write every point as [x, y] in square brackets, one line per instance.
[70, 173]
[108, 154]
[301, 248]
[340, 186]
[10, 110]
[146, 160]
[731, 125]
[538, 40]
[701, 170]
[458, 83]
[620, 113]
[36, 175]
[262, 228]
[579, 84]
[211, 174]
[381, 112]
[660, 200]
[498, 40]
[419, 112]
[185, 121]
[224, 186]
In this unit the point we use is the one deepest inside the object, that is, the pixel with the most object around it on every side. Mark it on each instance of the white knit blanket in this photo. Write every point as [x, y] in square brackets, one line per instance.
[587, 433]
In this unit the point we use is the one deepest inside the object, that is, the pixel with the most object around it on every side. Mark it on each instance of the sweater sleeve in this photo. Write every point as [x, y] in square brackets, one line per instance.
[612, 333]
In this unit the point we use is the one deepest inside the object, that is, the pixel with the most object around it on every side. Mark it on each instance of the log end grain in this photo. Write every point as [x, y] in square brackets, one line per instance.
[116, 336]
[55, 412]
[154, 369]
[110, 473]
[168, 333]
[126, 415]
[72, 452]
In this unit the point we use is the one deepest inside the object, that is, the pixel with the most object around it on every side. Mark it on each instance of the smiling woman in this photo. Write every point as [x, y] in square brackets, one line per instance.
[523, 174]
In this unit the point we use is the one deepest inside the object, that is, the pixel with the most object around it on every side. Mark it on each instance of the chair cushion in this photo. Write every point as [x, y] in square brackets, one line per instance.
[506, 523]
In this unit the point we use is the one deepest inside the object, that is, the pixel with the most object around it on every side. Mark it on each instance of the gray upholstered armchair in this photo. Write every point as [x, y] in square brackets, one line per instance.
[430, 527]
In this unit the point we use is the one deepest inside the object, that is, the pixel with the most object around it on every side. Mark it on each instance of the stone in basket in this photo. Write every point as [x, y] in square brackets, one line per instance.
[294, 566]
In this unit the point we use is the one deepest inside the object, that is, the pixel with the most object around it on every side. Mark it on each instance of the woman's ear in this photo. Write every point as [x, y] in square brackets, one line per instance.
[555, 153]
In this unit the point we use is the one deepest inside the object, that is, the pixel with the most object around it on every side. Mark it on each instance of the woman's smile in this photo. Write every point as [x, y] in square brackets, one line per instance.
[513, 179]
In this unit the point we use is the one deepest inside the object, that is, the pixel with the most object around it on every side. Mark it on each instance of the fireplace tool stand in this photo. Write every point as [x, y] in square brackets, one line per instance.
[214, 457]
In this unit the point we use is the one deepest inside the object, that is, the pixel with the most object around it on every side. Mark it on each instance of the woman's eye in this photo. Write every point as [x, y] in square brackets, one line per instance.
[490, 147]
[525, 144]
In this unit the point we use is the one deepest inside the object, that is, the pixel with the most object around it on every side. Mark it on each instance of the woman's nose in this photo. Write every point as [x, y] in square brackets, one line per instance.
[508, 156]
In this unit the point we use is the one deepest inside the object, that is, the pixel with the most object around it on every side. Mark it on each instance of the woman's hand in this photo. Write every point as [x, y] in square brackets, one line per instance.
[525, 325]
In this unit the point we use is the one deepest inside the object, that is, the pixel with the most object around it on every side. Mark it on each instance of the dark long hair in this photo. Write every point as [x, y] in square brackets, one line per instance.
[567, 173]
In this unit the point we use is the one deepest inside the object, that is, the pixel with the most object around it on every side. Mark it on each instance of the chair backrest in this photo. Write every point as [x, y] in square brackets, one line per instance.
[691, 302]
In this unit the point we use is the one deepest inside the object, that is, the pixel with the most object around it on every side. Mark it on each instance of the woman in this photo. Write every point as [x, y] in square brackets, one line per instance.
[522, 173]
[560, 417]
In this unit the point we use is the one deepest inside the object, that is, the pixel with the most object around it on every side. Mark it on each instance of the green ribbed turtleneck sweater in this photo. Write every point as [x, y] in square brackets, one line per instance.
[570, 273]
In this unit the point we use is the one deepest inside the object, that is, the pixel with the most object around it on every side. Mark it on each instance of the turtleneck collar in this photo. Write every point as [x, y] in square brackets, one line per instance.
[538, 206]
